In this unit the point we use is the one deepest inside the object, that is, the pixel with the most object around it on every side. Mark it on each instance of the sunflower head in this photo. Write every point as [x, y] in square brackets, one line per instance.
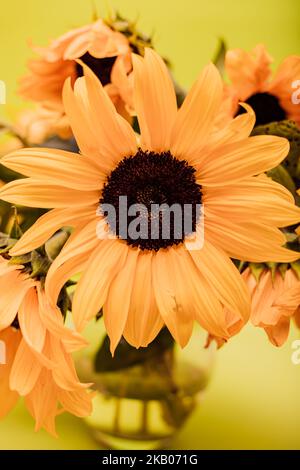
[105, 46]
[252, 81]
[182, 158]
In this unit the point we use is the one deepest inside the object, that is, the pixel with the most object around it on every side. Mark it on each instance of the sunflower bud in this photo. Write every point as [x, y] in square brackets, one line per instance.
[54, 245]
[39, 264]
[290, 131]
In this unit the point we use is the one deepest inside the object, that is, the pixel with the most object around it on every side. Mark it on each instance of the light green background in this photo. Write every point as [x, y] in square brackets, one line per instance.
[254, 397]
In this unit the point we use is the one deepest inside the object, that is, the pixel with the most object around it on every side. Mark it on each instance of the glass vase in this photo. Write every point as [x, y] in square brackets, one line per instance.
[142, 406]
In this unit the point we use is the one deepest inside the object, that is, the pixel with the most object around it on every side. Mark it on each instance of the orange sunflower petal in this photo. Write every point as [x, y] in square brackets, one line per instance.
[254, 155]
[13, 287]
[36, 193]
[25, 370]
[144, 321]
[91, 292]
[116, 307]
[48, 224]
[195, 118]
[56, 167]
[155, 101]
[71, 259]
[33, 330]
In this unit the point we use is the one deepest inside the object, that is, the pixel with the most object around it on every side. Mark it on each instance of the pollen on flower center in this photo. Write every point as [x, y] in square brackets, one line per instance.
[101, 67]
[266, 107]
[165, 190]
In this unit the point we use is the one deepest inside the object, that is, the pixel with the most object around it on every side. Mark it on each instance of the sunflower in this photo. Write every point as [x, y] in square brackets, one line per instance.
[143, 283]
[37, 362]
[275, 301]
[252, 82]
[104, 49]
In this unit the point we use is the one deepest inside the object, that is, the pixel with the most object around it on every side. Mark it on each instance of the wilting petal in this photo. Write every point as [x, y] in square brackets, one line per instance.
[78, 402]
[248, 72]
[13, 288]
[33, 330]
[279, 333]
[8, 398]
[64, 374]
[25, 370]
[42, 402]
[52, 319]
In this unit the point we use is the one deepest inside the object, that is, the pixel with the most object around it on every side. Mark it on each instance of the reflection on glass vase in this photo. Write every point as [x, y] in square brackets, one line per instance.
[143, 397]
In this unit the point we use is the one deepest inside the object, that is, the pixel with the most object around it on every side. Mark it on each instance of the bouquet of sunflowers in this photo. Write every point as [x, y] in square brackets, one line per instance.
[129, 202]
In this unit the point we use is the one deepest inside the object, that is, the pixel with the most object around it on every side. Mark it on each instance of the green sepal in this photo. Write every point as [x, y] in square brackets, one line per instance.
[64, 302]
[272, 267]
[22, 259]
[127, 356]
[219, 59]
[6, 243]
[257, 270]
[296, 268]
[282, 268]
[137, 40]
[291, 237]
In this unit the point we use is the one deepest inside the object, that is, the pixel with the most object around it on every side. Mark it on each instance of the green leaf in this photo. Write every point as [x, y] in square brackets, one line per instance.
[219, 59]
[128, 356]
[257, 270]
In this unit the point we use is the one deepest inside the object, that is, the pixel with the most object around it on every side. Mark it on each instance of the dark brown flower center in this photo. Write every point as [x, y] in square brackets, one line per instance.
[162, 200]
[101, 67]
[266, 107]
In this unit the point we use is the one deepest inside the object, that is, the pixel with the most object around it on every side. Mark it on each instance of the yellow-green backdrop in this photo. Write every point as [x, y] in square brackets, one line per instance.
[254, 397]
